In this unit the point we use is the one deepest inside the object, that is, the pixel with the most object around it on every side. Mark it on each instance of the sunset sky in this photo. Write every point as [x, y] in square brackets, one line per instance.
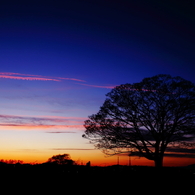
[58, 60]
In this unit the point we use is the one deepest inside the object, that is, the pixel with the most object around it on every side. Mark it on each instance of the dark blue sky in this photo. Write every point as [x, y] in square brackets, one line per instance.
[58, 59]
[123, 41]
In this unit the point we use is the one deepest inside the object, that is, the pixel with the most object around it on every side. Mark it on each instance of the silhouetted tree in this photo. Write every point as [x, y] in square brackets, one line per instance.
[145, 118]
[61, 159]
[11, 161]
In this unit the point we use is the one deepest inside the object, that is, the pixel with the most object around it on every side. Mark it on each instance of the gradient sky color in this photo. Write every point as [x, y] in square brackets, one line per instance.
[58, 59]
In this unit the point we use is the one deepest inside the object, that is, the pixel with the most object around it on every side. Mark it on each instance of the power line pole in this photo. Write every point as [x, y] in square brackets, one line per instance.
[118, 161]
[129, 160]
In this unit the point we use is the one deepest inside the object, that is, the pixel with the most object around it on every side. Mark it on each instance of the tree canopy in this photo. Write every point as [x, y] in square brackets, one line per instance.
[61, 159]
[145, 118]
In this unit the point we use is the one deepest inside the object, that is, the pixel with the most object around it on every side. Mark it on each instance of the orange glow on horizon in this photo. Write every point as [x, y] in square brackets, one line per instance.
[94, 156]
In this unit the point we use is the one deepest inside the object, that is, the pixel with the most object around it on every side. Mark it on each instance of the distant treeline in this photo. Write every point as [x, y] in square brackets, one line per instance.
[48, 167]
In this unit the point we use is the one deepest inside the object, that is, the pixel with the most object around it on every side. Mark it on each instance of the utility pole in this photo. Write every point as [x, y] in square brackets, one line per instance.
[118, 161]
[129, 160]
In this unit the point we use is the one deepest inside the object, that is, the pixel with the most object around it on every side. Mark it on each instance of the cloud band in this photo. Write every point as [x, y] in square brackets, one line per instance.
[29, 77]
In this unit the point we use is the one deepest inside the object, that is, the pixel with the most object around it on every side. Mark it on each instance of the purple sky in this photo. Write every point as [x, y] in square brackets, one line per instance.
[58, 59]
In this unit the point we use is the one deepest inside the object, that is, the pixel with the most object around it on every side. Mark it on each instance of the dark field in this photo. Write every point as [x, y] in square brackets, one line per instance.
[46, 176]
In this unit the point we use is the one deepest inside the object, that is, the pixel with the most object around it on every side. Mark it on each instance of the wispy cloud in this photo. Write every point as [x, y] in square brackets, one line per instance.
[42, 123]
[30, 77]
[100, 86]
[60, 132]
[71, 149]
[170, 152]
[180, 152]
[41, 126]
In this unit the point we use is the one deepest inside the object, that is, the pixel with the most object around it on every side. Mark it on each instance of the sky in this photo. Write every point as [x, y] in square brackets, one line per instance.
[58, 60]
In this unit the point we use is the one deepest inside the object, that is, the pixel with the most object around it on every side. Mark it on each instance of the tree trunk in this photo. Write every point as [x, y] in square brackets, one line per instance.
[158, 162]
[159, 154]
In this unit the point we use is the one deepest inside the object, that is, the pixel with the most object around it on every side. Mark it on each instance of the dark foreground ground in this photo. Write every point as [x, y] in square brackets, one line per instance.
[40, 179]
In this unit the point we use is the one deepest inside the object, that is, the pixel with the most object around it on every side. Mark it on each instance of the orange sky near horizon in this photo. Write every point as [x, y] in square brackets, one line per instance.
[96, 157]
[36, 144]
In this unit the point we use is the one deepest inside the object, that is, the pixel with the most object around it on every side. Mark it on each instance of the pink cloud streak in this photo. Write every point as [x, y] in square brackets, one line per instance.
[19, 76]
[12, 122]
[41, 127]
[27, 78]
[100, 86]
